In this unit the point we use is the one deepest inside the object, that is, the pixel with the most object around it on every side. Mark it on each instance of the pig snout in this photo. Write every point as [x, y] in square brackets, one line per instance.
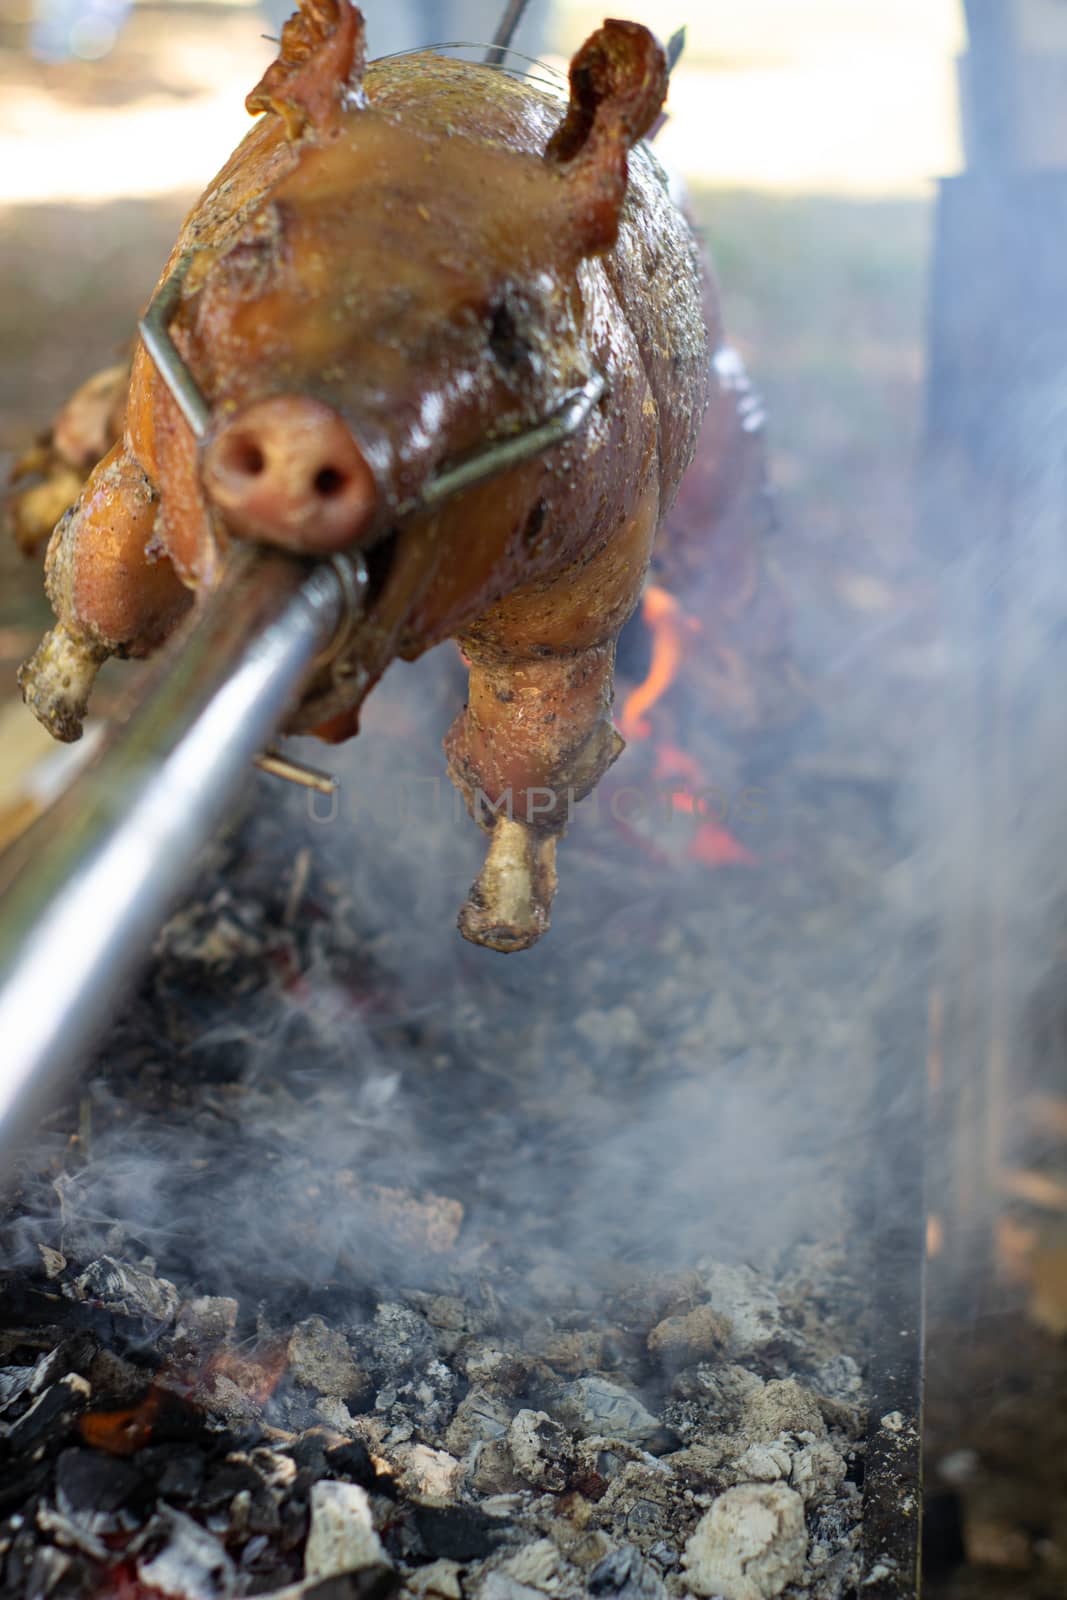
[288, 472]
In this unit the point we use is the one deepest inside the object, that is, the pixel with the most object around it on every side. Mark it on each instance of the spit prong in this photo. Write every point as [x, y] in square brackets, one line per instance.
[298, 772]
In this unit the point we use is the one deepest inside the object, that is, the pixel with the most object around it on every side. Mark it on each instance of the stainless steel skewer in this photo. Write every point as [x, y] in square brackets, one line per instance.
[85, 890]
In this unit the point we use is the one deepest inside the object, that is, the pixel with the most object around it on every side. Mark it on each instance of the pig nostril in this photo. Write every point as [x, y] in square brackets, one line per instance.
[328, 482]
[242, 456]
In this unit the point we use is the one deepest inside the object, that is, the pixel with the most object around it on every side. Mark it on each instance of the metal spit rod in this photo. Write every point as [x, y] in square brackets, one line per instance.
[96, 876]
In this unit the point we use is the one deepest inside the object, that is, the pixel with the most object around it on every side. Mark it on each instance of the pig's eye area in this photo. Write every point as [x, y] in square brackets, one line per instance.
[506, 342]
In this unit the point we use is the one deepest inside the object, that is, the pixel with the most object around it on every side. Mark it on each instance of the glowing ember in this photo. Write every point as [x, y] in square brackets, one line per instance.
[256, 1374]
[121, 1433]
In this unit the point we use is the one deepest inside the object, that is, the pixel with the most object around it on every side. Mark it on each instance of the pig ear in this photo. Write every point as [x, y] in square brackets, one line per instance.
[618, 85]
[319, 70]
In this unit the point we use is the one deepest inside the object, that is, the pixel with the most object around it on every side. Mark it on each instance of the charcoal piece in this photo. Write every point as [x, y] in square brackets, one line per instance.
[51, 1414]
[66, 1531]
[21, 1480]
[73, 1354]
[598, 1406]
[666, 1555]
[54, 1262]
[89, 1481]
[228, 1479]
[309, 1453]
[396, 1341]
[191, 1565]
[242, 1499]
[626, 1574]
[456, 1533]
[26, 1305]
[117, 1382]
[480, 1415]
[18, 1561]
[351, 1461]
[542, 1451]
[321, 1456]
[699, 1335]
[293, 1528]
[14, 1382]
[206, 1319]
[441, 1580]
[50, 1567]
[180, 1471]
[320, 1358]
[373, 1583]
[535, 1567]
[121, 1287]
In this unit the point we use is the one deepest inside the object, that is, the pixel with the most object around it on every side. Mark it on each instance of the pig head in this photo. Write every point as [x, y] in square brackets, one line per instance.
[400, 266]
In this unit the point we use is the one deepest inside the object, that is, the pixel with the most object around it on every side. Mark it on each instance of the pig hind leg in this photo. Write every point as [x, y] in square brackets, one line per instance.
[536, 735]
[109, 595]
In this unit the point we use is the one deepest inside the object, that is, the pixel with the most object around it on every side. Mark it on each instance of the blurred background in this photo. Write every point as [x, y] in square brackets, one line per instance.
[810, 133]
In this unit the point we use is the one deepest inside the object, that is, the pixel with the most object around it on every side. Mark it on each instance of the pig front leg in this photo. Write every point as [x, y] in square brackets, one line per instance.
[536, 735]
[110, 596]
[48, 478]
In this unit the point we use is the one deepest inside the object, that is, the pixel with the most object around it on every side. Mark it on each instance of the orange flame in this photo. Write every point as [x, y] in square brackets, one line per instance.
[668, 624]
[255, 1373]
[712, 844]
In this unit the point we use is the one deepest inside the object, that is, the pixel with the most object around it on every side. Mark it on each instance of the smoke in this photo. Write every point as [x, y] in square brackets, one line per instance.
[322, 1089]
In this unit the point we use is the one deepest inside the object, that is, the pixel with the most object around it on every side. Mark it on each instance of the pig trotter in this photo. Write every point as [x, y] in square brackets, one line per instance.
[48, 478]
[57, 680]
[510, 902]
[536, 736]
[111, 597]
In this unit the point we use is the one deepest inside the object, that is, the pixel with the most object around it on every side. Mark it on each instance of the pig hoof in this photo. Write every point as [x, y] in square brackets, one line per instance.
[57, 680]
[510, 903]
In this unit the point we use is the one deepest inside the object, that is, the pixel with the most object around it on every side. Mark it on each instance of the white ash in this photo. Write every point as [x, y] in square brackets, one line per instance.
[119, 1286]
[342, 1537]
[573, 1371]
[748, 1305]
[750, 1545]
[626, 1575]
[206, 1319]
[321, 1358]
[481, 1414]
[542, 1450]
[438, 1581]
[192, 1565]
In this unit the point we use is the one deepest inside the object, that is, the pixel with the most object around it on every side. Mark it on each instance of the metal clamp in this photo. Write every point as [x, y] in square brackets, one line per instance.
[154, 328]
[500, 455]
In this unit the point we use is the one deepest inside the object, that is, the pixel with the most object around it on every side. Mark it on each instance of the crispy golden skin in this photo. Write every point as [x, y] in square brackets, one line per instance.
[425, 256]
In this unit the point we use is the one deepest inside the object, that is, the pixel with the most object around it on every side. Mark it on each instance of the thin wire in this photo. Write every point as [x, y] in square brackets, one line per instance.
[509, 22]
[474, 44]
